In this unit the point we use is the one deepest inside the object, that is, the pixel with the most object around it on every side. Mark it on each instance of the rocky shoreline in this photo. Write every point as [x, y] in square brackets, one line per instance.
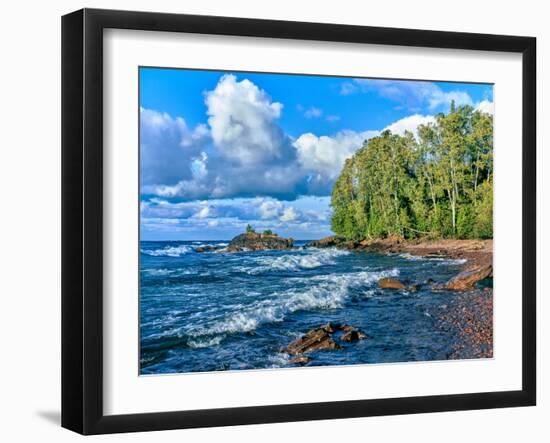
[477, 254]
[471, 316]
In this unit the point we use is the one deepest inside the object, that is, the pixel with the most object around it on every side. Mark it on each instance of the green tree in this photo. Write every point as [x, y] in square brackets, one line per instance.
[437, 183]
[250, 229]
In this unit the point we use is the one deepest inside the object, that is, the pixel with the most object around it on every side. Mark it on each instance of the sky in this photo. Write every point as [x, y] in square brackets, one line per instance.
[220, 150]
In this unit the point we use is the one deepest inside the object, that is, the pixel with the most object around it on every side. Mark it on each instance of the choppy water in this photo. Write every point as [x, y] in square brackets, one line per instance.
[229, 311]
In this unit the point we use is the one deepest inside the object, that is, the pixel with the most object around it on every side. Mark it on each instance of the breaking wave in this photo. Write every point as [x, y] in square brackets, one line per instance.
[168, 251]
[325, 292]
[314, 258]
[440, 260]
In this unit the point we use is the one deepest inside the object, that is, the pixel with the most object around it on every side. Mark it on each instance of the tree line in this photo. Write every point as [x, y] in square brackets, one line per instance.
[437, 183]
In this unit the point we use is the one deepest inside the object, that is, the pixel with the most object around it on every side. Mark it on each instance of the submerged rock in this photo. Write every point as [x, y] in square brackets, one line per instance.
[252, 241]
[300, 360]
[353, 335]
[392, 283]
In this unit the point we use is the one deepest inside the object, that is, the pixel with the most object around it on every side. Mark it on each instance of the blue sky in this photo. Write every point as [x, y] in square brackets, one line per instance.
[222, 149]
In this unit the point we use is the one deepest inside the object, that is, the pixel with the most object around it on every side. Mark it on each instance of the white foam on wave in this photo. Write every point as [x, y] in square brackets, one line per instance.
[289, 262]
[440, 260]
[452, 261]
[324, 292]
[205, 343]
[161, 272]
[168, 251]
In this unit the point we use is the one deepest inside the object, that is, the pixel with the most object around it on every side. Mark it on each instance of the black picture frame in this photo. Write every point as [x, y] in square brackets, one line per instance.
[82, 218]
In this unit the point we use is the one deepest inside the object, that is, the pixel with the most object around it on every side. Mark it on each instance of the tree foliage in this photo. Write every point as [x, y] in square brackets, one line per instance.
[437, 184]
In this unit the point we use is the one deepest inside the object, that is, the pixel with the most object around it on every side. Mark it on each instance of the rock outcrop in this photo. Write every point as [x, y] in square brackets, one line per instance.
[322, 339]
[208, 248]
[252, 241]
[468, 278]
[314, 340]
[327, 242]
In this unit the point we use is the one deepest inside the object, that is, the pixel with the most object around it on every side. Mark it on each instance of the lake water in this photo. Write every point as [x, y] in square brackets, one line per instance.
[228, 311]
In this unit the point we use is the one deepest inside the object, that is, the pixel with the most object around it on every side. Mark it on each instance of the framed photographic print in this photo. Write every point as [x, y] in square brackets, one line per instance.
[269, 221]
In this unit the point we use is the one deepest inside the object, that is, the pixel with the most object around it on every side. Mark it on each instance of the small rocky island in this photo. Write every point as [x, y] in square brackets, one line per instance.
[252, 241]
[255, 241]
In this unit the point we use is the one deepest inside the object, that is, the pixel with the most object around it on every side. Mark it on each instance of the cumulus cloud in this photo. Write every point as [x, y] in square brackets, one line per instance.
[269, 208]
[168, 147]
[438, 99]
[411, 95]
[203, 212]
[248, 153]
[289, 214]
[486, 106]
[244, 152]
[410, 124]
[324, 156]
[242, 119]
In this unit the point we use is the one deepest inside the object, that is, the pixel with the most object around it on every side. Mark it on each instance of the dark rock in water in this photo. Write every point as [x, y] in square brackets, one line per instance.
[353, 335]
[330, 327]
[300, 360]
[207, 248]
[327, 242]
[467, 279]
[320, 339]
[253, 241]
[315, 340]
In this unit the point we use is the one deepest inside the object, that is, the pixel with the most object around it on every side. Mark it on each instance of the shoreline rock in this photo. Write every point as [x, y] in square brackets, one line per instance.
[322, 339]
[467, 279]
[252, 241]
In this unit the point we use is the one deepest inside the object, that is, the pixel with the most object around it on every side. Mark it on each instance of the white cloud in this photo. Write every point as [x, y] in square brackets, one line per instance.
[412, 95]
[289, 214]
[245, 153]
[486, 106]
[438, 98]
[242, 119]
[269, 208]
[313, 112]
[167, 147]
[410, 123]
[348, 88]
[325, 155]
[204, 212]
[332, 118]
